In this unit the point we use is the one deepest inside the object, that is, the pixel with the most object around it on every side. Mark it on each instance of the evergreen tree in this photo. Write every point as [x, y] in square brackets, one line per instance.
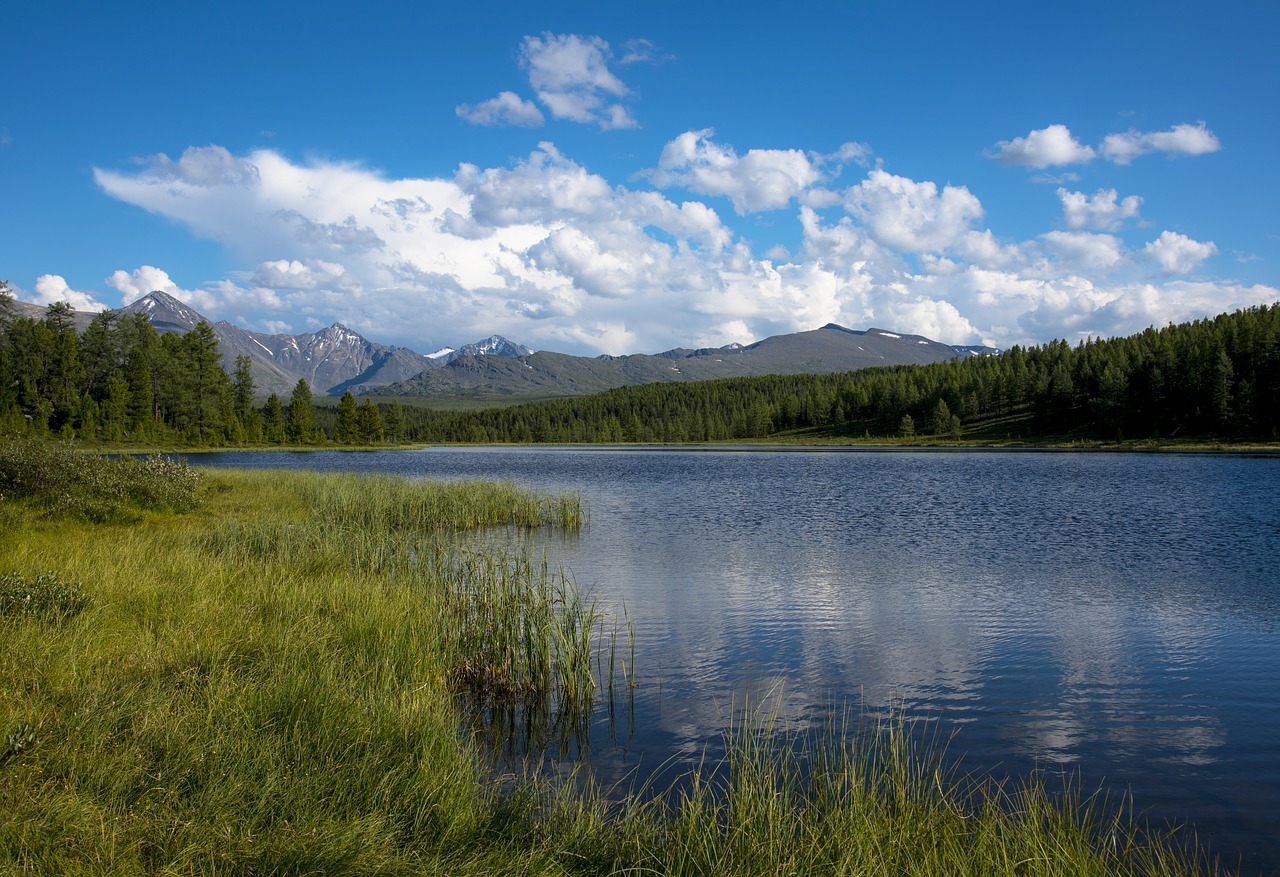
[370, 424]
[347, 431]
[115, 408]
[297, 427]
[207, 388]
[393, 422]
[242, 388]
[64, 369]
[942, 418]
[100, 353]
[273, 420]
[142, 400]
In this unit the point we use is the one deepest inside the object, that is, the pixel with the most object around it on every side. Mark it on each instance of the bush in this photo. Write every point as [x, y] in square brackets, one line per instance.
[47, 597]
[69, 483]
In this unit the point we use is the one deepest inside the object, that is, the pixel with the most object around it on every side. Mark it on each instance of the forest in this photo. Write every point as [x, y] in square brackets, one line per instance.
[120, 381]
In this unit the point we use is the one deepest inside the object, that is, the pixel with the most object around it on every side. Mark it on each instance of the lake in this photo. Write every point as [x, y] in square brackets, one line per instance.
[1115, 615]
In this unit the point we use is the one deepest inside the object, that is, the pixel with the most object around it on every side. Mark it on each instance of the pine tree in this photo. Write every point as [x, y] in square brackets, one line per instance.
[297, 427]
[242, 398]
[369, 424]
[393, 422]
[273, 420]
[347, 432]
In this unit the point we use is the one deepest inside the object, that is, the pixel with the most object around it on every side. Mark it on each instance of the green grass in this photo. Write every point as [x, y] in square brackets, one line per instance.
[275, 678]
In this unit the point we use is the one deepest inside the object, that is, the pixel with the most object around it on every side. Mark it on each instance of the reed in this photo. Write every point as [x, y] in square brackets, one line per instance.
[876, 798]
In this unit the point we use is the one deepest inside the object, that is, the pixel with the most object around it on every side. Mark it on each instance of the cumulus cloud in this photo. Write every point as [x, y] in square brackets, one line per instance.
[220, 299]
[570, 75]
[133, 285]
[1055, 145]
[913, 216]
[1178, 254]
[508, 108]
[557, 257]
[763, 179]
[1103, 211]
[51, 288]
[1178, 140]
[1047, 147]
[1084, 251]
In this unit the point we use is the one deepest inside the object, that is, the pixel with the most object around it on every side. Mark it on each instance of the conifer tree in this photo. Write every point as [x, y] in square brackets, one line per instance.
[347, 431]
[369, 424]
[393, 422]
[297, 427]
[273, 420]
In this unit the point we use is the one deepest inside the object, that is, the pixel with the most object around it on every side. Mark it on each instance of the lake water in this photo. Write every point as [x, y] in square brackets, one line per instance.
[1117, 615]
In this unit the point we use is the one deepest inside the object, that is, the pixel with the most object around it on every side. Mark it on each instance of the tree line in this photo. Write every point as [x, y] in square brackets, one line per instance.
[120, 380]
[1216, 378]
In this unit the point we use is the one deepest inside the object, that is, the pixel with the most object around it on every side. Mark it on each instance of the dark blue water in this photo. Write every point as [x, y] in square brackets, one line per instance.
[1117, 615]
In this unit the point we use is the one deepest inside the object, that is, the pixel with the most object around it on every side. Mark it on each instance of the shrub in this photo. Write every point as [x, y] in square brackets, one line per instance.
[69, 483]
[47, 597]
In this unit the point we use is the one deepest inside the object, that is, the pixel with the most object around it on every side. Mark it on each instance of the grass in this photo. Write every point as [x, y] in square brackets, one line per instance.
[274, 676]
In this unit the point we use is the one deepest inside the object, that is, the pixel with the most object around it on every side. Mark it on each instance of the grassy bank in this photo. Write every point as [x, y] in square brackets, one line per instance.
[263, 672]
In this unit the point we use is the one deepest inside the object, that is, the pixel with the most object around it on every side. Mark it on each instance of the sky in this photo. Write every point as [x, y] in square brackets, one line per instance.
[629, 177]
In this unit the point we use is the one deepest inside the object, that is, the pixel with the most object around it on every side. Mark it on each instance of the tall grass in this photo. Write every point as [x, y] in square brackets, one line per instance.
[269, 683]
[875, 798]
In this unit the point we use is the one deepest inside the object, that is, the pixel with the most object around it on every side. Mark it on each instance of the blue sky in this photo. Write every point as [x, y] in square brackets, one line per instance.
[627, 177]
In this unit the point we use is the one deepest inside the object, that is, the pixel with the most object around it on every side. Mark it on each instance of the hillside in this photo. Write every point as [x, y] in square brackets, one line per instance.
[820, 351]
[1215, 379]
[338, 359]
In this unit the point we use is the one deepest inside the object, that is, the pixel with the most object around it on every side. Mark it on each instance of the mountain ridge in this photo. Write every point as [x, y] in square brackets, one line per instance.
[338, 359]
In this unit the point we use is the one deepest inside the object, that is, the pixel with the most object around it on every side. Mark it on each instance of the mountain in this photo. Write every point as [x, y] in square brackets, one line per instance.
[332, 360]
[496, 369]
[38, 312]
[494, 345]
[166, 312]
[492, 378]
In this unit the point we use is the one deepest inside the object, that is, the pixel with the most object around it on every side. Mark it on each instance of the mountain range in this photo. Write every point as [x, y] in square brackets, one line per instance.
[338, 359]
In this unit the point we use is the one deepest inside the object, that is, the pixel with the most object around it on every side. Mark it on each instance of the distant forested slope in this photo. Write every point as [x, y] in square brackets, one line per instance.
[1211, 378]
[118, 380]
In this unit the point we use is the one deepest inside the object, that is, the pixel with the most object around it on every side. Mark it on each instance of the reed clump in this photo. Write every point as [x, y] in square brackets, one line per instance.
[877, 798]
[268, 683]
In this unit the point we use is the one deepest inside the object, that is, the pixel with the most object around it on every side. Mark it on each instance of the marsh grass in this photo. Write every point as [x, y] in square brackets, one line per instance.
[269, 683]
[875, 796]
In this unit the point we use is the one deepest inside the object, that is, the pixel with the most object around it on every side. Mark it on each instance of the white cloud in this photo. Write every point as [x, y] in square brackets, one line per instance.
[1101, 211]
[763, 179]
[1178, 140]
[1082, 250]
[571, 77]
[1047, 147]
[142, 282]
[508, 108]
[219, 299]
[557, 257]
[292, 274]
[912, 216]
[51, 288]
[1178, 254]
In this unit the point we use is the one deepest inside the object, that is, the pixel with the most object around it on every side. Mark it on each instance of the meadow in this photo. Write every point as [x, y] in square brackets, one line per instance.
[256, 673]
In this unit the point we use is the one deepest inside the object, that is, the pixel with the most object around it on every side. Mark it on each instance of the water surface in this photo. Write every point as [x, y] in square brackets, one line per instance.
[1112, 614]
